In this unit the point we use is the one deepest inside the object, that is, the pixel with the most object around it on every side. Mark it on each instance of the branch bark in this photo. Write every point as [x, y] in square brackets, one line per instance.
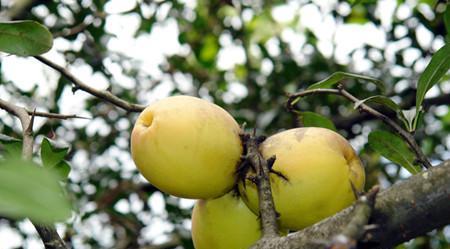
[404, 211]
[268, 215]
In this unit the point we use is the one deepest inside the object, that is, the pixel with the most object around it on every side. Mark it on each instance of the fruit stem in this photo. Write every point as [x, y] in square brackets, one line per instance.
[268, 215]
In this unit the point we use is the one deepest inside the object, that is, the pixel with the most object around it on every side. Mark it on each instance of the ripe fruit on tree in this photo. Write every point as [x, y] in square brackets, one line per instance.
[187, 147]
[320, 167]
[224, 223]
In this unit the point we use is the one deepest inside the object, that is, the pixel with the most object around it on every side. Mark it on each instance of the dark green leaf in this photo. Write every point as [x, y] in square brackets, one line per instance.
[27, 190]
[395, 149]
[312, 119]
[438, 67]
[51, 153]
[337, 77]
[63, 169]
[12, 146]
[446, 18]
[24, 38]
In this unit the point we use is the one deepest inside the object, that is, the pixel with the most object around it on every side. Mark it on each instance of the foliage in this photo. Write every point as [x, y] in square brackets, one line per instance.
[24, 38]
[30, 191]
[267, 55]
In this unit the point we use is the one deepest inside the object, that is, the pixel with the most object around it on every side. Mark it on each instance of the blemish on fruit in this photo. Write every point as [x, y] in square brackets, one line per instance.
[299, 134]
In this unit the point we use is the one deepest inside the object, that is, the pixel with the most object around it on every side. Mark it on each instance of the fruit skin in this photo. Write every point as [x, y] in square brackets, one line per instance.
[224, 223]
[187, 147]
[319, 165]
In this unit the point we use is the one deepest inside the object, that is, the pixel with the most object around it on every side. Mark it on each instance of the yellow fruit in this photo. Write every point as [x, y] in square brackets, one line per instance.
[187, 147]
[224, 223]
[319, 165]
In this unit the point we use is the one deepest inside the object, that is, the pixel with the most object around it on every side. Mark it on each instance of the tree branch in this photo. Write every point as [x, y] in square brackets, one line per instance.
[404, 211]
[55, 115]
[354, 230]
[4, 105]
[104, 95]
[268, 215]
[408, 137]
[49, 235]
[346, 123]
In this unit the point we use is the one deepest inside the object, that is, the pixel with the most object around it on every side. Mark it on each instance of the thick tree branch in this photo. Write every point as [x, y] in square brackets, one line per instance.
[104, 95]
[354, 230]
[404, 211]
[408, 137]
[49, 236]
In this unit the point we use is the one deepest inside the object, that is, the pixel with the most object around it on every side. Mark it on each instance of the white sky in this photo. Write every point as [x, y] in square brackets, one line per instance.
[150, 50]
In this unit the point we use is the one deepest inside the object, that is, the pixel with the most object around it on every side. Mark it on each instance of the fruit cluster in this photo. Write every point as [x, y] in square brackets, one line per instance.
[191, 148]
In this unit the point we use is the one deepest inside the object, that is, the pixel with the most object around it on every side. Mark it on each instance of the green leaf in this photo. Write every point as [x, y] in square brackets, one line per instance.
[51, 153]
[209, 50]
[409, 119]
[381, 100]
[312, 119]
[358, 14]
[337, 77]
[395, 149]
[63, 169]
[403, 115]
[12, 146]
[24, 38]
[438, 67]
[262, 27]
[446, 18]
[27, 190]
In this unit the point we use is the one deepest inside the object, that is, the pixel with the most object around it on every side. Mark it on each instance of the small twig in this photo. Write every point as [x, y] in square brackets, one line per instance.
[408, 137]
[49, 235]
[354, 230]
[348, 122]
[104, 95]
[73, 30]
[268, 215]
[402, 132]
[294, 97]
[56, 115]
[44, 114]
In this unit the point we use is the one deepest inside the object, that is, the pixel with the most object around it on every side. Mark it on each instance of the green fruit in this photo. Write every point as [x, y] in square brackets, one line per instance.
[224, 223]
